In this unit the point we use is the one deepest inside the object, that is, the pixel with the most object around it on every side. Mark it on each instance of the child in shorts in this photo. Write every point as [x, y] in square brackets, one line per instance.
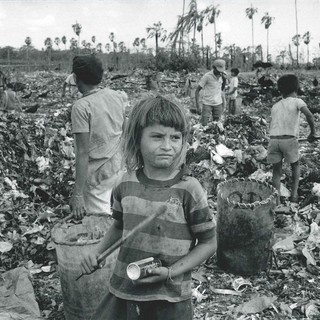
[181, 237]
[233, 90]
[284, 132]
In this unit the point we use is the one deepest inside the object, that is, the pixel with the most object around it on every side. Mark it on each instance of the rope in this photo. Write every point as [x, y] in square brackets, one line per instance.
[246, 205]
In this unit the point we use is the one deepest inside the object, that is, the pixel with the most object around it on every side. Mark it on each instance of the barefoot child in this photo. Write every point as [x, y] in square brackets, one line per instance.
[233, 90]
[181, 238]
[284, 132]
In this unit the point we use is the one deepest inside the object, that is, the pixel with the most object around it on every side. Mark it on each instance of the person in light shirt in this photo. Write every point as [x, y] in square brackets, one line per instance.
[213, 100]
[284, 132]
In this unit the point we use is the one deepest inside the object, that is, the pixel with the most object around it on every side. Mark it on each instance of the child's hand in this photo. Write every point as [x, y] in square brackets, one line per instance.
[89, 263]
[155, 275]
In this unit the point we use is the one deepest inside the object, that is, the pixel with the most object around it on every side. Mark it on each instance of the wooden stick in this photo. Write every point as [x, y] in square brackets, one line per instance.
[130, 234]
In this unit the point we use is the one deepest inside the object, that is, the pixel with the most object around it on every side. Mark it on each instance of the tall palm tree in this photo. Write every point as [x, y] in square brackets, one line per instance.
[48, 44]
[64, 41]
[107, 46]
[143, 44]
[181, 46]
[121, 46]
[28, 43]
[306, 39]
[250, 12]
[73, 44]
[214, 14]
[77, 30]
[158, 32]
[297, 36]
[296, 41]
[136, 43]
[267, 21]
[200, 29]
[99, 47]
[282, 55]
[57, 41]
[93, 40]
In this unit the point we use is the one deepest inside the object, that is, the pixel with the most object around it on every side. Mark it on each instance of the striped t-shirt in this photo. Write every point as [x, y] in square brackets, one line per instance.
[169, 237]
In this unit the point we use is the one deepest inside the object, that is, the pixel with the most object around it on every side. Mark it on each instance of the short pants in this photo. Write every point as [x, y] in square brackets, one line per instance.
[287, 149]
[113, 308]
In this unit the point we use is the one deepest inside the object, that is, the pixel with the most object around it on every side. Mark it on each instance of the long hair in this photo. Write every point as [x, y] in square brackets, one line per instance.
[147, 112]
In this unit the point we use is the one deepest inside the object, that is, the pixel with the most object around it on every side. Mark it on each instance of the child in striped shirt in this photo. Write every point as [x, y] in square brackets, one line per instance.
[182, 236]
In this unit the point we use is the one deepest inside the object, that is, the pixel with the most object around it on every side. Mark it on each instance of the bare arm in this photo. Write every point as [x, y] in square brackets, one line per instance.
[199, 88]
[82, 160]
[64, 89]
[89, 260]
[310, 119]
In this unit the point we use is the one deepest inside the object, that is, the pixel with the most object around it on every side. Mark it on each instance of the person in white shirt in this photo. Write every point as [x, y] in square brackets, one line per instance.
[71, 84]
[284, 132]
[213, 99]
[233, 90]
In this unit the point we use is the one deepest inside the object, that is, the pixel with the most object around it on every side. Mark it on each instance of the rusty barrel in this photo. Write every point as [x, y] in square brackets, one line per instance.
[245, 219]
[81, 297]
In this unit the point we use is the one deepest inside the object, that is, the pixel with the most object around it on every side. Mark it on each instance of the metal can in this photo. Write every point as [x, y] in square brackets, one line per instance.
[138, 269]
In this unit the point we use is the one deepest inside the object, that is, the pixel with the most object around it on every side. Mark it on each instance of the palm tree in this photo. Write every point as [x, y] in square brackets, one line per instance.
[64, 41]
[297, 36]
[48, 44]
[143, 44]
[181, 46]
[267, 21]
[107, 46]
[121, 46]
[282, 55]
[28, 43]
[99, 47]
[136, 43]
[93, 40]
[214, 13]
[77, 30]
[158, 32]
[57, 41]
[250, 12]
[296, 41]
[200, 29]
[73, 44]
[306, 39]
[186, 23]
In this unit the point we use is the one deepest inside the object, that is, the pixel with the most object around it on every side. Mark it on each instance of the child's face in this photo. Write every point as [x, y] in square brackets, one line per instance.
[160, 146]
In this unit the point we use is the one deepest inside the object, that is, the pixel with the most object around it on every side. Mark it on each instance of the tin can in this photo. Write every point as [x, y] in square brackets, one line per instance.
[240, 284]
[138, 269]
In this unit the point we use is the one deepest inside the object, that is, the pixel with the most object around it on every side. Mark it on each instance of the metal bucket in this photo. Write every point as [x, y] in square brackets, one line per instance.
[245, 219]
[81, 297]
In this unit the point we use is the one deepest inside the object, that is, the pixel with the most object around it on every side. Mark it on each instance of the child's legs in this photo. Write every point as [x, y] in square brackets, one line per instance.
[295, 167]
[205, 114]
[291, 155]
[164, 310]
[276, 175]
[232, 106]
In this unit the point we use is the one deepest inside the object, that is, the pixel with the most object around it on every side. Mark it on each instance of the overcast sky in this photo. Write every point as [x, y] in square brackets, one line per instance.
[129, 18]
